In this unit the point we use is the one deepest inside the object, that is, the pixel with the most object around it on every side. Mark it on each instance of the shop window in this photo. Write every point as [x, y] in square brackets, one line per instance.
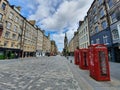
[115, 34]
[92, 42]
[97, 40]
[105, 39]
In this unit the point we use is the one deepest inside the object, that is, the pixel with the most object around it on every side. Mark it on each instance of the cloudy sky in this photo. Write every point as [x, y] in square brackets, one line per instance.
[55, 16]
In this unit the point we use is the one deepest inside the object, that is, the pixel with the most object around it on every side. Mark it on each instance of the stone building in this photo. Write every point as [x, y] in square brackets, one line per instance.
[76, 40]
[113, 9]
[84, 41]
[98, 24]
[18, 36]
[71, 47]
[74, 43]
[10, 33]
[54, 49]
[39, 48]
[46, 44]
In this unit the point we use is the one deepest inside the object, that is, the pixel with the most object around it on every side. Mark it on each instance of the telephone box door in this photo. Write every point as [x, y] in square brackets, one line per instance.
[76, 57]
[103, 65]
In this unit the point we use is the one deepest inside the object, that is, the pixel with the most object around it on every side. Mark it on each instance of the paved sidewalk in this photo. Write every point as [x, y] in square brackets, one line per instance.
[88, 83]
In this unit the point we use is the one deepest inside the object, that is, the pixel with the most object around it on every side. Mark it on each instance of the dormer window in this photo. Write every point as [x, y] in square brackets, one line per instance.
[3, 6]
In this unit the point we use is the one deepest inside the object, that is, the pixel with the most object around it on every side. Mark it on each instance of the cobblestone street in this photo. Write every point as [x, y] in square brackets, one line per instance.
[44, 73]
[52, 73]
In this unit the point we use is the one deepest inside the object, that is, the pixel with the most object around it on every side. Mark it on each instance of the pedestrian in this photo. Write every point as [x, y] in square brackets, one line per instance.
[16, 55]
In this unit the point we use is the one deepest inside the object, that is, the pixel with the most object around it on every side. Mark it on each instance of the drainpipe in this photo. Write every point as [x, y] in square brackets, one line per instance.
[108, 20]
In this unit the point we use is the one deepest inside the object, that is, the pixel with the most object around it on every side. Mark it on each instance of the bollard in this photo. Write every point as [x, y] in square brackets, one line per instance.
[67, 57]
[70, 61]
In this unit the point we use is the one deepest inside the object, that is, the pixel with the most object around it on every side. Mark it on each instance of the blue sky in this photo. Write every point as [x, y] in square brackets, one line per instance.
[55, 16]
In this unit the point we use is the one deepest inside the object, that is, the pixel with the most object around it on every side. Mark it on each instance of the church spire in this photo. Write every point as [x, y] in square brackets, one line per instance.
[65, 41]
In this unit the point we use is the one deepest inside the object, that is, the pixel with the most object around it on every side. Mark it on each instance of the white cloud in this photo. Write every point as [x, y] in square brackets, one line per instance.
[57, 15]
[59, 39]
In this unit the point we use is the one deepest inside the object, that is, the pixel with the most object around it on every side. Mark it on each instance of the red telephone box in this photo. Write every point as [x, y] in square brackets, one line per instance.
[76, 57]
[98, 64]
[83, 63]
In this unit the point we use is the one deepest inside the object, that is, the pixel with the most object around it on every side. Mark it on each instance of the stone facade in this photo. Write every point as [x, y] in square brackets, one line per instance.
[84, 41]
[99, 25]
[46, 44]
[76, 40]
[71, 47]
[18, 36]
[74, 43]
[53, 48]
[113, 9]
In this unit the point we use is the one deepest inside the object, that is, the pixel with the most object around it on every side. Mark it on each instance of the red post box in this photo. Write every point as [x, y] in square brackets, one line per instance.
[76, 57]
[98, 64]
[83, 59]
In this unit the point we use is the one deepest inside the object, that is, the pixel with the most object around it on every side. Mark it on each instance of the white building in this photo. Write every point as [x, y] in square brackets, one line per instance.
[84, 41]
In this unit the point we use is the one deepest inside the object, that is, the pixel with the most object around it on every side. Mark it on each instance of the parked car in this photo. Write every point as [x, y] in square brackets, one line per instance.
[47, 54]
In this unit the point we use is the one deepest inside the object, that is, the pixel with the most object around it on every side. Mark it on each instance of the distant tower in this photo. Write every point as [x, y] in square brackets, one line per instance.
[65, 42]
[48, 35]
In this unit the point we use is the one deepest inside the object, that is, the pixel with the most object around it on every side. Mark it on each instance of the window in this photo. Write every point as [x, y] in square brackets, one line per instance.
[96, 29]
[94, 9]
[110, 3]
[14, 36]
[95, 19]
[115, 34]
[19, 38]
[16, 19]
[7, 34]
[3, 6]
[102, 13]
[11, 15]
[5, 43]
[104, 24]
[100, 2]
[15, 28]
[92, 42]
[105, 39]
[113, 17]
[97, 40]
[9, 25]
[12, 44]
[1, 17]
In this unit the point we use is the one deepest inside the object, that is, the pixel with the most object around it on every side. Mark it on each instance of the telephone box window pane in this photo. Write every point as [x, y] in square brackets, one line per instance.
[102, 59]
[85, 59]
